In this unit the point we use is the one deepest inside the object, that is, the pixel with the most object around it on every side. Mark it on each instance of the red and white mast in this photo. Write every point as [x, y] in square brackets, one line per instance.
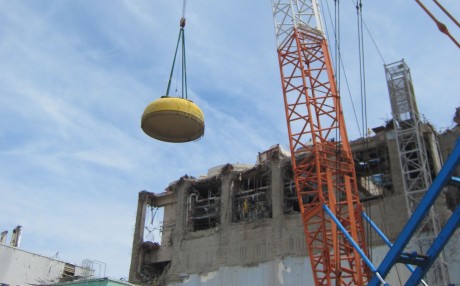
[322, 162]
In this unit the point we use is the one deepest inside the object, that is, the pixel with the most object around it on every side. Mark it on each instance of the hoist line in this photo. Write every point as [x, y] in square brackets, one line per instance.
[342, 65]
[184, 67]
[180, 40]
[375, 44]
[365, 126]
[174, 60]
[363, 97]
[441, 26]
[447, 13]
[360, 66]
[184, 4]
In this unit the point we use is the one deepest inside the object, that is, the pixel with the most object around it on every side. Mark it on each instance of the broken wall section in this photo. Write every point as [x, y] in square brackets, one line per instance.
[204, 204]
[251, 198]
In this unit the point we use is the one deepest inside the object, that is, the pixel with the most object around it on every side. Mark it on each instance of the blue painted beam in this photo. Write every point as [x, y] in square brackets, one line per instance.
[383, 236]
[441, 180]
[455, 181]
[436, 248]
[355, 245]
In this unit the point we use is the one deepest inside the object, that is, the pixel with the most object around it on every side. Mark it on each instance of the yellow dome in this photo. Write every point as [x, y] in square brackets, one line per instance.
[173, 119]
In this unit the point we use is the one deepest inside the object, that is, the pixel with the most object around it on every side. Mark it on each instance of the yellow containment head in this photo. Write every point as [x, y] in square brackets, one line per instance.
[173, 119]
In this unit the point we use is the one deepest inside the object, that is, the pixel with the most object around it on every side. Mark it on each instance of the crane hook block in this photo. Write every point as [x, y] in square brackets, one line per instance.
[173, 119]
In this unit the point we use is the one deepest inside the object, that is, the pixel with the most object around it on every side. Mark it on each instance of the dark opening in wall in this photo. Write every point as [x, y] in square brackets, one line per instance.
[68, 274]
[203, 204]
[154, 273]
[290, 200]
[373, 171]
[252, 195]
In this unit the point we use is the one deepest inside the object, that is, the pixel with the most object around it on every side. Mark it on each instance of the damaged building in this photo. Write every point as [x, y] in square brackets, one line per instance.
[240, 224]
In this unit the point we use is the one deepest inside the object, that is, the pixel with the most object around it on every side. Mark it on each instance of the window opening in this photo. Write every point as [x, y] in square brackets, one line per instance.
[290, 200]
[203, 205]
[373, 171]
[153, 227]
[252, 195]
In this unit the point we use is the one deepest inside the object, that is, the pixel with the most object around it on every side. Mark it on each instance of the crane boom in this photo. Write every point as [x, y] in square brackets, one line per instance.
[321, 157]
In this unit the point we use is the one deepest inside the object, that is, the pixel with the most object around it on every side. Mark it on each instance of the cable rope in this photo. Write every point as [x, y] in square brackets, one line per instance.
[184, 66]
[360, 65]
[343, 67]
[349, 94]
[336, 29]
[184, 4]
[174, 62]
[447, 13]
[180, 41]
[337, 41]
[373, 41]
[363, 97]
[365, 126]
[176, 80]
[441, 26]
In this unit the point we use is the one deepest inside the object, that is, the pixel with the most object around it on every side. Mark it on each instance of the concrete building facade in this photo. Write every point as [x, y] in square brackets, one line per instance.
[240, 225]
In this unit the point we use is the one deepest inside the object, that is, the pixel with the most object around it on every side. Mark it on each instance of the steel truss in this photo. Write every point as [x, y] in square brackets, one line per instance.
[326, 176]
[413, 160]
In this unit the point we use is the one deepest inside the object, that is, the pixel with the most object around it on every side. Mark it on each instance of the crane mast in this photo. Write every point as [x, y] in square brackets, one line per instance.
[321, 157]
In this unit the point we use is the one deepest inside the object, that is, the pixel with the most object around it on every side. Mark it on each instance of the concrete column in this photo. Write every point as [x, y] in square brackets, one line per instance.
[396, 172]
[138, 237]
[181, 189]
[277, 205]
[434, 150]
[226, 200]
[225, 216]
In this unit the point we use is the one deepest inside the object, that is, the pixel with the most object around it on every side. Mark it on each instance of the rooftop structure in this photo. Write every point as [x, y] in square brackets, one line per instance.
[20, 267]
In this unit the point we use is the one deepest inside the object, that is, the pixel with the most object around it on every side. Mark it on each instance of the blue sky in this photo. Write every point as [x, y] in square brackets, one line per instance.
[76, 75]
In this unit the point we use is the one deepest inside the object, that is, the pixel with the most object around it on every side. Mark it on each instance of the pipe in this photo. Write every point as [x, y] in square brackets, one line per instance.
[253, 190]
[250, 195]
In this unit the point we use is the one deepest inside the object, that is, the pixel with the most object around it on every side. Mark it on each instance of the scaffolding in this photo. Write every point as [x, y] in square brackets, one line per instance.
[413, 159]
[203, 204]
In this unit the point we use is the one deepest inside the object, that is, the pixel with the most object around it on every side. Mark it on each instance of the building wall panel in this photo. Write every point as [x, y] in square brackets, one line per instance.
[19, 267]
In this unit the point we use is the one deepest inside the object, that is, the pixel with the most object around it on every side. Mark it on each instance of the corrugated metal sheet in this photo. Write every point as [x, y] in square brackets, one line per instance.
[19, 267]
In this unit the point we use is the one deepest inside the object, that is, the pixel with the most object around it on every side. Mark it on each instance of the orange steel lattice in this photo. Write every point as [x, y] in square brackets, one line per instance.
[321, 158]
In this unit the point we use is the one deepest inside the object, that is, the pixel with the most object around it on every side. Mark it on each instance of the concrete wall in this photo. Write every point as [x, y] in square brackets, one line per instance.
[447, 142]
[19, 267]
[293, 271]
[253, 252]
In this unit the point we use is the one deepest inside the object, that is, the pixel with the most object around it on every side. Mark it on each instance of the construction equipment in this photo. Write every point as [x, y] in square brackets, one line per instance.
[321, 157]
[413, 158]
[174, 119]
[325, 179]
[424, 262]
[326, 176]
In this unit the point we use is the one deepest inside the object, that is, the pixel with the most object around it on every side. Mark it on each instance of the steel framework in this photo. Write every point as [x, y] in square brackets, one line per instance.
[325, 176]
[396, 253]
[413, 159]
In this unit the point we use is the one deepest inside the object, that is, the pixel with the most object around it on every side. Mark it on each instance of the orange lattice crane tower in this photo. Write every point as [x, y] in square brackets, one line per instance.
[322, 162]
